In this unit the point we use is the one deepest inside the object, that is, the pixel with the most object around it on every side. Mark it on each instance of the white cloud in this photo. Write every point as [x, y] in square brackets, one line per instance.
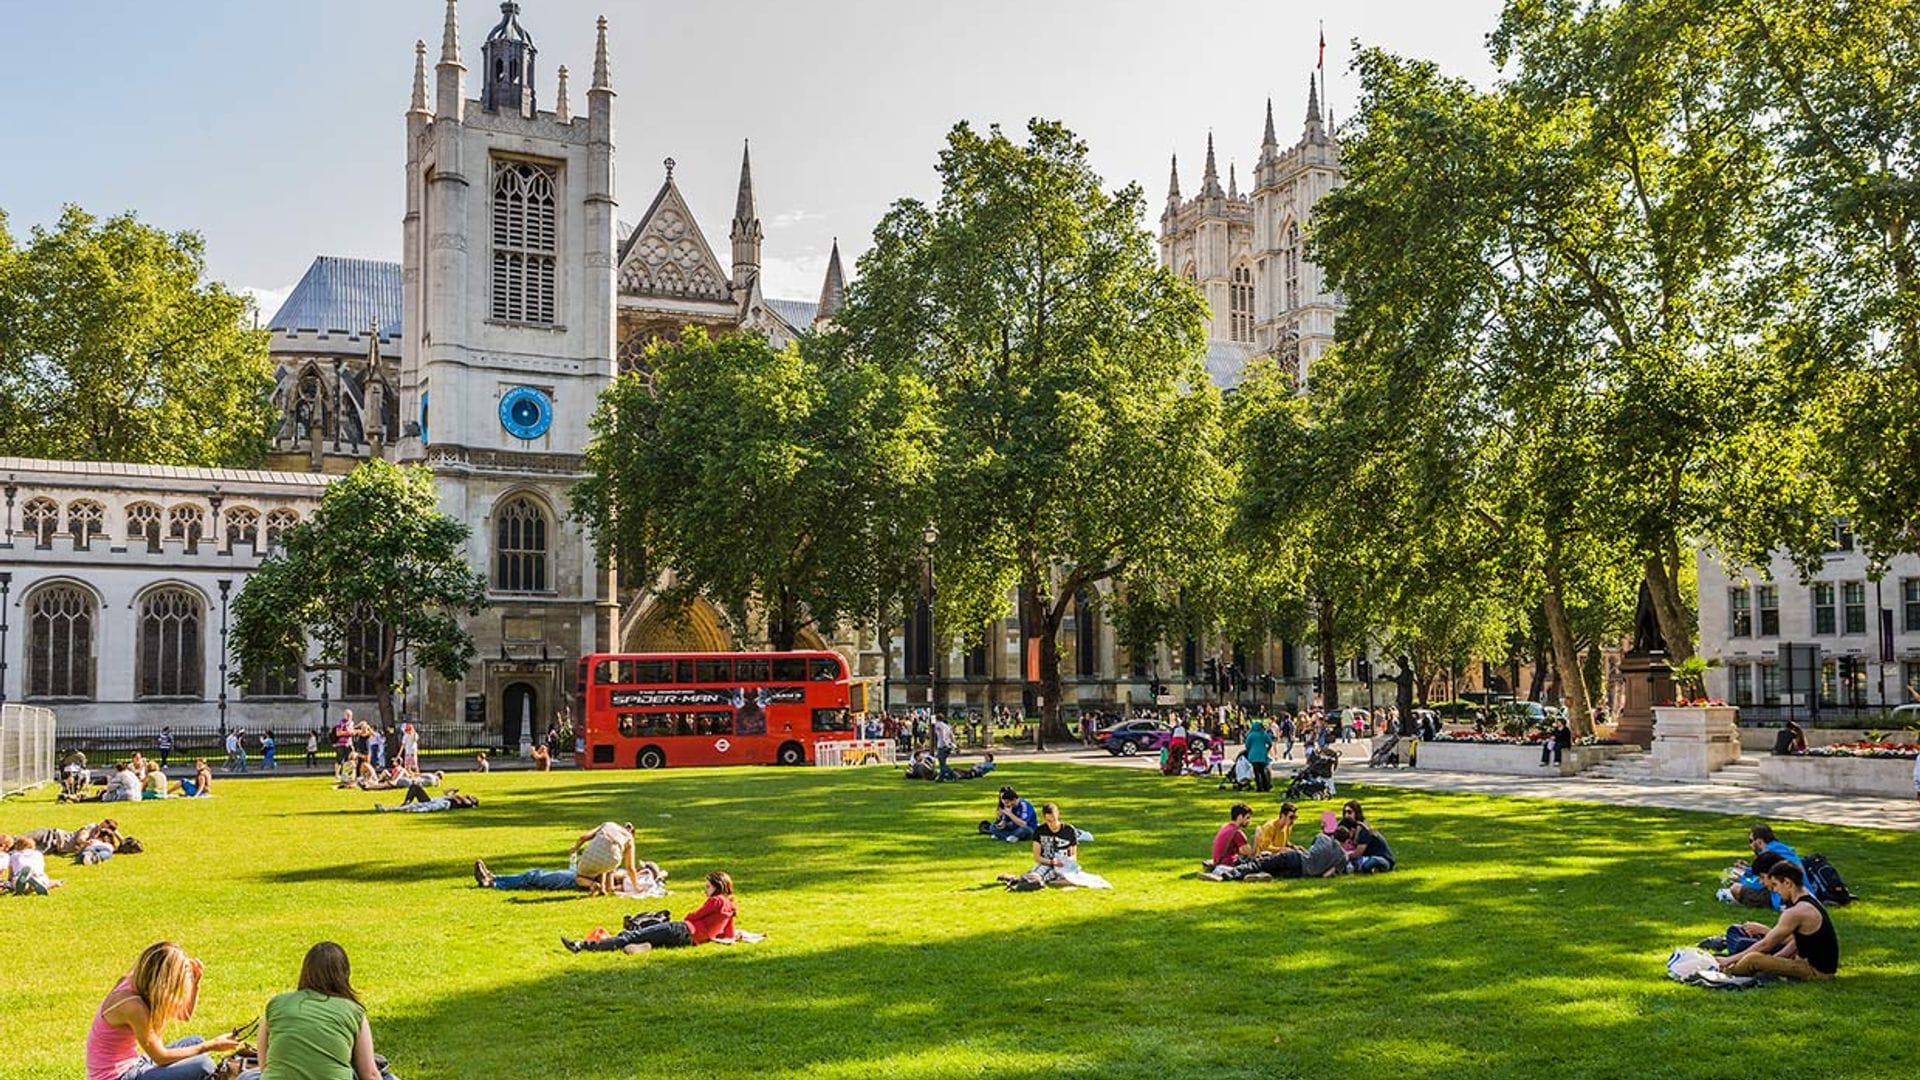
[792, 218]
[793, 277]
[268, 300]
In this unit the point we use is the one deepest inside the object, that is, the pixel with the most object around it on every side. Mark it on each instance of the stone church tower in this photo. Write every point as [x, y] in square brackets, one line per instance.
[508, 298]
[1247, 253]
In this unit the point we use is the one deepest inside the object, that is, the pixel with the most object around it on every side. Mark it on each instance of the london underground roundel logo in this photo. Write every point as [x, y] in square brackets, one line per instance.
[722, 745]
[526, 412]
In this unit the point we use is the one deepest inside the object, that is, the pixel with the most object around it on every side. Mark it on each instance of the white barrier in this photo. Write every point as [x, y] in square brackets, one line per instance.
[854, 752]
[26, 747]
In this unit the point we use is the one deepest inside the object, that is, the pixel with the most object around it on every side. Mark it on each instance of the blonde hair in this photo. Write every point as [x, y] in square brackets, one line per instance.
[163, 977]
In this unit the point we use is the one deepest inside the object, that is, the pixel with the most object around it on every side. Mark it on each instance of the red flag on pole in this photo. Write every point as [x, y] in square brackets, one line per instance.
[1322, 64]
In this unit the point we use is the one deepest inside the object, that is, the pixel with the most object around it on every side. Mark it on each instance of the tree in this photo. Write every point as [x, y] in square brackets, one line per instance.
[1078, 429]
[783, 482]
[377, 565]
[114, 347]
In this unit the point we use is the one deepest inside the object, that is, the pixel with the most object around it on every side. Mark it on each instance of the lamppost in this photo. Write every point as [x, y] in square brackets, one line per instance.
[931, 537]
[226, 586]
[6, 588]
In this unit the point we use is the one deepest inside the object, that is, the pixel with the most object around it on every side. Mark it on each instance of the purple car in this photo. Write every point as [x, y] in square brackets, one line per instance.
[1133, 736]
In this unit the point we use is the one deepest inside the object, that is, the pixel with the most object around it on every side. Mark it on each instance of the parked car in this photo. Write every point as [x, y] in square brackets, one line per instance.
[1133, 736]
[1905, 716]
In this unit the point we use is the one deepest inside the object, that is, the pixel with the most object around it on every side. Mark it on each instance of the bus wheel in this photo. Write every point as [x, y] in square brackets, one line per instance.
[651, 758]
[792, 754]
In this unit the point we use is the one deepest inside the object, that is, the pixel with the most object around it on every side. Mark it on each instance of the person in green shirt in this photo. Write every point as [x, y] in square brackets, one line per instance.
[319, 1031]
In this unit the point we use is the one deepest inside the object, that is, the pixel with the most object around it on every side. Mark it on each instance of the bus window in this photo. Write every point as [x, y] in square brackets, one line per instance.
[832, 720]
[603, 672]
[825, 669]
[790, 669]
[713, 671]
[716, 723]
[753, 671]
[646, 672]
[683, 671]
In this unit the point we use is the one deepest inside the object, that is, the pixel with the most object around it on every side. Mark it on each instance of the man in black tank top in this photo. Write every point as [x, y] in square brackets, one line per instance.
[1802, 945]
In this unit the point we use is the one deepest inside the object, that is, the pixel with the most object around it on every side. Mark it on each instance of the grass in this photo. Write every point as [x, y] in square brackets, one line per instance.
[1521, 938]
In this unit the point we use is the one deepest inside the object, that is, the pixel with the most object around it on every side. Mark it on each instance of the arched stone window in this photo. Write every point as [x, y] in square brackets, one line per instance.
[143, 526]
[86, 521]
[1240, 303]
[278, 522]
[243, 527]
[41, 520]
[60, 622]
[520, 546]
[171, 658]
[1290, 259]
[525, 242]
[361, 681]
[186, 522]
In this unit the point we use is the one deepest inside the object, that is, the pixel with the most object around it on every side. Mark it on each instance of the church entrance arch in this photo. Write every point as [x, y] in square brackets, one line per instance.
[655, 626]
[519, 705]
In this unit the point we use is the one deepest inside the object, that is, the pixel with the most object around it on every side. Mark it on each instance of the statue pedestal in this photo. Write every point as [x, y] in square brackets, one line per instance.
[1691, 741]
[1648, 681]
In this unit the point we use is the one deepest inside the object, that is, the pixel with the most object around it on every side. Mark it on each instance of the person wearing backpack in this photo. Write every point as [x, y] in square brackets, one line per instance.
[1802, 945]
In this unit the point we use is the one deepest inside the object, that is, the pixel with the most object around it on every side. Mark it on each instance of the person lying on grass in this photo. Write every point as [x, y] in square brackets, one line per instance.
[124, 1039]
[600, 851]
[713, 919]
[320, 1028]
[1014, 820]
[417, 802]
[1230, 844]
[1056, 850]
[70, 842]
[1326, 857]
[1802, 945]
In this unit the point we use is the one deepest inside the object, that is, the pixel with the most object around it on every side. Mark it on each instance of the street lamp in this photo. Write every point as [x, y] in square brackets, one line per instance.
[931, 536]
[6, 588]
[226, 586]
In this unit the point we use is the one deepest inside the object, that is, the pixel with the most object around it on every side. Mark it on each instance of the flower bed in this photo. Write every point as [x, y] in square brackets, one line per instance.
[1532, 738]
[1863, 749]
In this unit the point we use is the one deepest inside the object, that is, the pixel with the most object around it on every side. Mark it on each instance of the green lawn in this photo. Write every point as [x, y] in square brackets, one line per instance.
[1520, 938]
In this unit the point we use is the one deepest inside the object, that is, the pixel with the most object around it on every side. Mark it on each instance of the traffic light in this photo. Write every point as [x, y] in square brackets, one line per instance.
[1267, 684]
[1363, 669]
[1210, 673]
[1318, 685]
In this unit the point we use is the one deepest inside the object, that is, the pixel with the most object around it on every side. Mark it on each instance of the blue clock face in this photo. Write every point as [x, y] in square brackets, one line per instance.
[525, 412]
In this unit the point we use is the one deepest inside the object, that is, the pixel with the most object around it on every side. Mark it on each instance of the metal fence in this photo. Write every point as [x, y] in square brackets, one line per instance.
[108, 745]
[26, 747]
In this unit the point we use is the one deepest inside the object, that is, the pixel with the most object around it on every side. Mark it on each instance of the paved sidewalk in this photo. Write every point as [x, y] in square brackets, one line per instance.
[1858, 811]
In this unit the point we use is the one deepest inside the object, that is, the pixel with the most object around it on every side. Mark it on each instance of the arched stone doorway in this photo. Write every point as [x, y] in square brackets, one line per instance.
[519, 706]
[654, 626]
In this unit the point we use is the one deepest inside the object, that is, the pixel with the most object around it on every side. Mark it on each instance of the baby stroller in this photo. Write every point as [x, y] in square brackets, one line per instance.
[1387, 753]
[1240, 776]
[1315, 779]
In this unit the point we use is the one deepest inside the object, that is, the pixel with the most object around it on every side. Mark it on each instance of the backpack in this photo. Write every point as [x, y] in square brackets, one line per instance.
[1826, 883]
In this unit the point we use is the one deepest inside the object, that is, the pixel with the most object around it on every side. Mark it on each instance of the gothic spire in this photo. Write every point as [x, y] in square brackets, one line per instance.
[1233, 183]
[1313, 107]
[602, 73]
[833, 292]
[1173, 183]
[1269, 139]
[562, 109]
[743, 210]
[419, 103]
[450, 37]
[449, 95]
[1210, 180]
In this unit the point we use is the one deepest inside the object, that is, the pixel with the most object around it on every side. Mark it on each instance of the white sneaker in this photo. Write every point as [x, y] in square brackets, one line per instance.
[1725, 896]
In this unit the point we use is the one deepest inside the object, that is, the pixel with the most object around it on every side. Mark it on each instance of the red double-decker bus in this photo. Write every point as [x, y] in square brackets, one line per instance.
[652, 710]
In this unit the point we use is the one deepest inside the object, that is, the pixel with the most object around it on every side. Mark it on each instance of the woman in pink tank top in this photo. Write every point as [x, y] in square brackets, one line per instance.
[124, 1040]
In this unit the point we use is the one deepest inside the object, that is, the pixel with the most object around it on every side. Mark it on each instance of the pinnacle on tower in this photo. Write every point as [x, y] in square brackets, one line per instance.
[1313, 106]
[1269, 139]
[450, 37]
[743, 210]
[562, 109]
[1233, 183]
[1173, 183]
[419, 103]
[449, 96]
[1210, 181]
[834, 291]
[602, 72]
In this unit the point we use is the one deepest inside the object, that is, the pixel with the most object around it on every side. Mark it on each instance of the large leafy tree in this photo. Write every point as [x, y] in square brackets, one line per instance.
[378, 565]
[115, 347]
[1079, 432]
[782, 483]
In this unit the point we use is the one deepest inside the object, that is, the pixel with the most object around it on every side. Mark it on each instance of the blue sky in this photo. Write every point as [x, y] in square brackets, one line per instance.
[275, 128]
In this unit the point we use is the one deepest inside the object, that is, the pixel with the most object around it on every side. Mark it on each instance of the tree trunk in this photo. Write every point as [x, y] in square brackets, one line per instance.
[1052, 723]
[1669, 609]
[1403, 693]
[383, 678]
[781, 632]
[1329, 665]
[1579, 714]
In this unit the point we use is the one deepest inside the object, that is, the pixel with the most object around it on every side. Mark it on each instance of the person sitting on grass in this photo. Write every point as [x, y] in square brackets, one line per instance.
[417, 802]
[1056, 849]
[1230, 844]
[1369, 852]
[480, 762]
[1801, 945]
[155, 784]
[201, 783]
[123, 786]
[542, 760]
[1326, 857]
[1015, 820]
[1749, 888]
[319, 1029]
[713, 919]
[600, 851]
[1276, 835]
[27, 868]
[124, 1040]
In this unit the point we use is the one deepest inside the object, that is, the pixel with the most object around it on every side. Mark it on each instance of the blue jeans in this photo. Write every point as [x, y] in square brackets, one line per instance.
[194, 1068]
[538, 879]
[266, 759]
[1013, 832]
[1372, 864]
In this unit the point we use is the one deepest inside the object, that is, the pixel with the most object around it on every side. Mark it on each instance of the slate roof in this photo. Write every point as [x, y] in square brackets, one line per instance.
[342, 296]
[105, 472]
[797, 313]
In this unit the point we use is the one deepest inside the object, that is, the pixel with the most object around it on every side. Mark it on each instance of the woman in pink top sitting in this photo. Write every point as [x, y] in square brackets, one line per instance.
[124, 1041]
